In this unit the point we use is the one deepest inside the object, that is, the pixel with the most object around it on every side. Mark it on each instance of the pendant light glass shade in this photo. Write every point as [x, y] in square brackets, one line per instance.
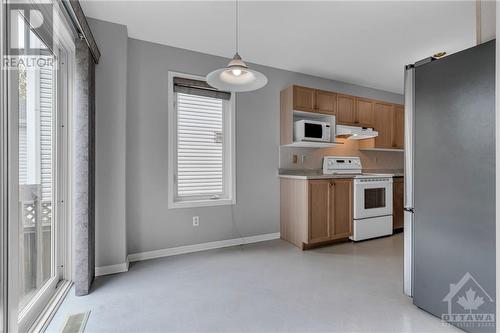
[236, 77]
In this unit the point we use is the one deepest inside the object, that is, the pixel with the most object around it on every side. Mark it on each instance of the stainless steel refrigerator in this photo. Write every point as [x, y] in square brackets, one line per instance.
[450, 187]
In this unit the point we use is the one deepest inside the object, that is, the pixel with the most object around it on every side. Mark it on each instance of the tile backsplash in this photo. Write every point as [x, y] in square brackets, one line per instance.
[312, 158]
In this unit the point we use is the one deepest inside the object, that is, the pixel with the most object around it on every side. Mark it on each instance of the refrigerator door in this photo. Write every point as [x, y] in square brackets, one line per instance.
[454, 187]
[408, 203]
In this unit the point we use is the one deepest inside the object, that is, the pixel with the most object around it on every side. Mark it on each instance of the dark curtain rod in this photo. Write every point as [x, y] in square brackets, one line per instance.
[77, 16]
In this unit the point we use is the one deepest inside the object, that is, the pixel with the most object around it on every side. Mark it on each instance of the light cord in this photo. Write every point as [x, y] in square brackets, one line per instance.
[236, 15]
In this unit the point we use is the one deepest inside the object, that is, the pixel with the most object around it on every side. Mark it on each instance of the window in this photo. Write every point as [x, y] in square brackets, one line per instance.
[201, 143]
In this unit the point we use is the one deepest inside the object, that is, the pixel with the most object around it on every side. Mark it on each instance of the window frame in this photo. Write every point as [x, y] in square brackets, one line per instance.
[229, 151]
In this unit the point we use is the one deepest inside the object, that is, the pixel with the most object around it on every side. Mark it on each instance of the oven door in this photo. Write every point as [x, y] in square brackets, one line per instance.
[372, 197]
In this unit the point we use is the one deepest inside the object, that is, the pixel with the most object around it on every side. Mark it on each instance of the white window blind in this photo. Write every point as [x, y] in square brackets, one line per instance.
[36, 155]
[46, 131]
[200, 147]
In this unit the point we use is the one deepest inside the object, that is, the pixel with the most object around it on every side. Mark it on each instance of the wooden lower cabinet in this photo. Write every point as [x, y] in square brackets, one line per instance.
[341, 208]
[315, 211]
[398, 192]
[319, 215]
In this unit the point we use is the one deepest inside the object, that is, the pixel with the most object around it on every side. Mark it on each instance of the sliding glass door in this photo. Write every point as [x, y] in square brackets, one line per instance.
[37, 149]
[38, 93]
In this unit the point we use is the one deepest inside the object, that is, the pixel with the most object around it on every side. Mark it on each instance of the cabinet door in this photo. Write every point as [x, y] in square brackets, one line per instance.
[303, 99]
[383, 123]
[341, 208]
[319, 201]
[325, 102]
[398, 203]
[398, 130]
[364, 112]
[345, 109]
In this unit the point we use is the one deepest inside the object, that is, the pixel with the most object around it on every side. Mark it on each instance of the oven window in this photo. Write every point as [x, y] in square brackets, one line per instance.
[374, 198]
[313, 131]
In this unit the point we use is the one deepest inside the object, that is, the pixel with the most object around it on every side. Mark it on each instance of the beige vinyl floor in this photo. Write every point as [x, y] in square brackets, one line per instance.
[262, 287]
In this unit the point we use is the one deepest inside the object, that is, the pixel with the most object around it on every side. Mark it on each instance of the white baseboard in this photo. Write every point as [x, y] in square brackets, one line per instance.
[111, 269]
[201, 247]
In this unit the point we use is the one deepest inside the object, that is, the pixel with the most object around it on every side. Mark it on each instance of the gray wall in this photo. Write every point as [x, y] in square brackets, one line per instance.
[149, 224]
[111, 106]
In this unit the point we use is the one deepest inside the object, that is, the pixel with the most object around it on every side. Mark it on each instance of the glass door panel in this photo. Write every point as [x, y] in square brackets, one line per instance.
[36, 134]
[374, 198]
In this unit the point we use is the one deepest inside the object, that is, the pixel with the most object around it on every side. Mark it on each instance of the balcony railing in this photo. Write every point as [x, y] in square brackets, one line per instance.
[35, 241]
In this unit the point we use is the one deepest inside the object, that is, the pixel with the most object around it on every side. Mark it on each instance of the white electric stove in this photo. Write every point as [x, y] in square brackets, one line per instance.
[372, 201]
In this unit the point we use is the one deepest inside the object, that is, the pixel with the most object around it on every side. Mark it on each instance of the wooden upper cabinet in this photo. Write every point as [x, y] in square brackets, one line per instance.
[383, 120]
[386, 118]
[319, 203]
[345, 109]
[341, 208]
[364, 112]
[398, 203]
[325, 102]
[304, 99]
[399, 124]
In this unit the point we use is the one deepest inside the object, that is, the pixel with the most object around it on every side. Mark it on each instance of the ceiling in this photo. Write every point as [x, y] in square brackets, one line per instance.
[360, 42]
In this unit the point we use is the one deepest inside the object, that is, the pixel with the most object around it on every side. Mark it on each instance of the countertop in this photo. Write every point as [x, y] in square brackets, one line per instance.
[318, 174]
[394, 172]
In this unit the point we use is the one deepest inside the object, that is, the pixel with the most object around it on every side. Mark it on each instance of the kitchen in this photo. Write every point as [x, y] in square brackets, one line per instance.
[429, 178]
[341, 167]
[366, 213]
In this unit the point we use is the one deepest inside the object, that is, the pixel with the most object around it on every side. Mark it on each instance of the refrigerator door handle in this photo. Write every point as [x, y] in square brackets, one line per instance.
[409, 134]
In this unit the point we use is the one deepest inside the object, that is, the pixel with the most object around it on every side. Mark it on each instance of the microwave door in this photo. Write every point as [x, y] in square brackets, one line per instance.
[313, 131]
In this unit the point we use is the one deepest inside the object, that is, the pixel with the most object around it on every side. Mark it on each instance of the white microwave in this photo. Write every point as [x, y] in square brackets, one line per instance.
[311, 130]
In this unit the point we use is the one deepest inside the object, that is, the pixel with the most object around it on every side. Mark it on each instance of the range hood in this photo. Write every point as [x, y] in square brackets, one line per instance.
[355, 132]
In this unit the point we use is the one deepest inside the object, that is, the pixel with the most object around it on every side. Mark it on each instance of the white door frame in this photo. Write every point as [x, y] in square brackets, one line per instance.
[9, 311]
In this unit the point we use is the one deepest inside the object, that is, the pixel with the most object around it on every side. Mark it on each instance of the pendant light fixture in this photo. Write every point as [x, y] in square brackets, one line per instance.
[236, 76]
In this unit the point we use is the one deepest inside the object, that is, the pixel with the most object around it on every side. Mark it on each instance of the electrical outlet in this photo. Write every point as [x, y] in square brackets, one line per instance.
[295, 159]
[196, 221]
[302, 158]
